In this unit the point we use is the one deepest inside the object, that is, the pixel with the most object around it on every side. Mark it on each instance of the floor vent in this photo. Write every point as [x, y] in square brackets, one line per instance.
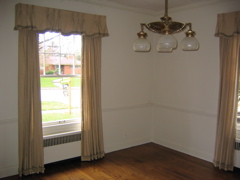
[57, 140]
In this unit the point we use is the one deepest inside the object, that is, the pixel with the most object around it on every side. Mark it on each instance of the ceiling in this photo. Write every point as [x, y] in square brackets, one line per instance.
[152, 6]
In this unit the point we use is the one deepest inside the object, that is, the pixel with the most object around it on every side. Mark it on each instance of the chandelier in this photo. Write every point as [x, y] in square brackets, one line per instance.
[167, 41]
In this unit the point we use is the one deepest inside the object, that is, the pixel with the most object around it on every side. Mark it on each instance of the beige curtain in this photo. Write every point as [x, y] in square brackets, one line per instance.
[228, 30]
[29, 105]
[31, 20]
[42, 19]
[92, 135]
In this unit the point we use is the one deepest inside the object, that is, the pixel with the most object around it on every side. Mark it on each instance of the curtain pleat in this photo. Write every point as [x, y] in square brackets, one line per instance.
[228, 31]
[29, 105]
[92, 133]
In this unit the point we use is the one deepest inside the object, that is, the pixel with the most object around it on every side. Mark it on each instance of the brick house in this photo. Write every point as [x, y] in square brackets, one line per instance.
[67, 65]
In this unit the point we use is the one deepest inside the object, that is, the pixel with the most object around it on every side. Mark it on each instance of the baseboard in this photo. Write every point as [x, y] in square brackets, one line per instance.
[8, 171]
[185, 150]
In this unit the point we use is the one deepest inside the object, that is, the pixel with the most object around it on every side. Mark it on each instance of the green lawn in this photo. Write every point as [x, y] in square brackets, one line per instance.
[48, 81]
[46, 117]
[51, 105]
[76, 81]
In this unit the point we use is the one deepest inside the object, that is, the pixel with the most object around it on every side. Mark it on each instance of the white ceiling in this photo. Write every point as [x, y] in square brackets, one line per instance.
[152, 6]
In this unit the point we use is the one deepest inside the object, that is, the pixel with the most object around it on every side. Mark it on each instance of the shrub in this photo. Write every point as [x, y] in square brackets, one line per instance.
[50, 72]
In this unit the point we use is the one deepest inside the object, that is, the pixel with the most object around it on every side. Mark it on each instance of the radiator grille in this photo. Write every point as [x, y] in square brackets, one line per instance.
[237, 145]
[57, 140]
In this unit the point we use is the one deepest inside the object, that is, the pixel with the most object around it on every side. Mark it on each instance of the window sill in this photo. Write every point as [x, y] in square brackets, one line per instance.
[61, 128]
[61, 134]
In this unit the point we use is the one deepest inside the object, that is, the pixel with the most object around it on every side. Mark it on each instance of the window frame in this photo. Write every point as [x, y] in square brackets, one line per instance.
[63, 127]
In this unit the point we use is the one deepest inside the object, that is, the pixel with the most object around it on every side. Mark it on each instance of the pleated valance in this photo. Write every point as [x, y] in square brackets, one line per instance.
[228, 24]
[42, 19]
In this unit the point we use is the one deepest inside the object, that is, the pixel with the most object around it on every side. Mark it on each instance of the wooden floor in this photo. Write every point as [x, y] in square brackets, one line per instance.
[144, 162]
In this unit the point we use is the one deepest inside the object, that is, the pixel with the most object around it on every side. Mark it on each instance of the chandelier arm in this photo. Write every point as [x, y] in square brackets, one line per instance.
[151, 29]
[142, 26]
[161, 28]
[181, 28]
[189, 25]
[190, 32]
[142, 34]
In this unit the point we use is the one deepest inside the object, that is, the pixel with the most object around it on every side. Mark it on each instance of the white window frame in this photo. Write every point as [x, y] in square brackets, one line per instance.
[61, 127]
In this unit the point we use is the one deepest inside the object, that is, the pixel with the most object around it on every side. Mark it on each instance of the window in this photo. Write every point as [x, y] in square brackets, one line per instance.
[238, 116]
[60, 72]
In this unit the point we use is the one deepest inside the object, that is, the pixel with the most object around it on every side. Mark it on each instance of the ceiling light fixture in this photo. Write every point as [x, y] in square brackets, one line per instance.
[167, 41]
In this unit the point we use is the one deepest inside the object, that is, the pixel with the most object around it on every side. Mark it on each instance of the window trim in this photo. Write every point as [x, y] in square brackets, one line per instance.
[61, 128]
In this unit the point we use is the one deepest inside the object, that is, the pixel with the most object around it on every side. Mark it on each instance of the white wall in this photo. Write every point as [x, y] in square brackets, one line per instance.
[126, 83]
[185, 92]
[8, 90]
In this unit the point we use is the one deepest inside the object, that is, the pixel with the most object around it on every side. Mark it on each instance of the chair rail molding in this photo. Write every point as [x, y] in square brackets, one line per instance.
[185, 110]
[5, 121]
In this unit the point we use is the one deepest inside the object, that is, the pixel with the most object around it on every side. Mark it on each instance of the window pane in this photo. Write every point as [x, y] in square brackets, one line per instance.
[60, 70]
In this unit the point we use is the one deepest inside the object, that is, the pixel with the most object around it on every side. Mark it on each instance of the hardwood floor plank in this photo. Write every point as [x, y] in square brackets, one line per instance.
[145, 162]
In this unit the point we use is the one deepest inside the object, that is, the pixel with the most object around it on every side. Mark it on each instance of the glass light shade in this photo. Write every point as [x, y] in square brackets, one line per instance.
[166, 43]
[190, 44]
[141, 45]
